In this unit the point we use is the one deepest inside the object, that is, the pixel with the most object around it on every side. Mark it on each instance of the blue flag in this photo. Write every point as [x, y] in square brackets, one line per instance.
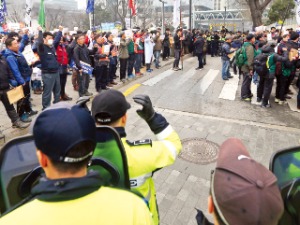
[3, 11]
[90, 6]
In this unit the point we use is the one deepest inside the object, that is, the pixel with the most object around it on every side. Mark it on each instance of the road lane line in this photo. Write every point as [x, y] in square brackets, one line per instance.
[182, 79]
[151, 82]
[254, 92]
[207, 80]
[230, 88]
[131, 89]
[293, 102]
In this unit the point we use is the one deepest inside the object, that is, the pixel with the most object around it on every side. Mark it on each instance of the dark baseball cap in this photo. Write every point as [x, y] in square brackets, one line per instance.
[60, 127]
[108, 106]
[244, 191]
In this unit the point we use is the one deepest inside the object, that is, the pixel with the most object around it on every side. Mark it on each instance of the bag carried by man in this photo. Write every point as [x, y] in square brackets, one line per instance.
[261, 64]
[240, 56]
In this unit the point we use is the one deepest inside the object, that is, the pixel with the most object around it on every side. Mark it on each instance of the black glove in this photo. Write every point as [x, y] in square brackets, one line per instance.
[147, 113]
[156, 121]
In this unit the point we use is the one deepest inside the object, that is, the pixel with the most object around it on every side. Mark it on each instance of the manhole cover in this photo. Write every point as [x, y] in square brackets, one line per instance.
[199, 151]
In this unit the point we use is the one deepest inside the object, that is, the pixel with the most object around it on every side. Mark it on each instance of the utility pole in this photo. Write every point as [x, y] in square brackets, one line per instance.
[163, 15]
[190, 13]
[225, 18]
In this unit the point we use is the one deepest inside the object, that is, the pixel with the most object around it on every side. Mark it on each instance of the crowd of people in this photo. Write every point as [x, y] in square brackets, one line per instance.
[68, 186]
[262, 57]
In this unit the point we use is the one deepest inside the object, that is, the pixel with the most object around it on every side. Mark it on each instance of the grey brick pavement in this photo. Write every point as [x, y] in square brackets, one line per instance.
[184, 186]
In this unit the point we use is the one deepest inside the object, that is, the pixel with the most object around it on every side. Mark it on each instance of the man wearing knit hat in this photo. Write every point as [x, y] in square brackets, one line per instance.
[242, 190]
[247, 68]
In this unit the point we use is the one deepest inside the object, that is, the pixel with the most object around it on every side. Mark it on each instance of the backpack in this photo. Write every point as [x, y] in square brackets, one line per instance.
[261, 64]
[240, 56]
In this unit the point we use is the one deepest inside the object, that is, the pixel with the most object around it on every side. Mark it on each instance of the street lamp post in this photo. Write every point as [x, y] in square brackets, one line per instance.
[225, 18]
[190, 12]
[163, 15]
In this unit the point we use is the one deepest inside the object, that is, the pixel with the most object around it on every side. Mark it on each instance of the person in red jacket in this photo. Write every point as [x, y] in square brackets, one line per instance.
[62, 58]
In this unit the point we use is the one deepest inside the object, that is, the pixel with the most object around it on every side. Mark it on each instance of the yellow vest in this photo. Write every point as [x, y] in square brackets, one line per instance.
[104, 206]
[144, 159]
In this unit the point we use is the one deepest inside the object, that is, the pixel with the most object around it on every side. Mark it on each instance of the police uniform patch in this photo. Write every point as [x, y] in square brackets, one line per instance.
[140, 142]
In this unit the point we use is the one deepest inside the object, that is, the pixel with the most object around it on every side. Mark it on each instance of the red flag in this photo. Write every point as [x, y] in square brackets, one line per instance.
[131, 4]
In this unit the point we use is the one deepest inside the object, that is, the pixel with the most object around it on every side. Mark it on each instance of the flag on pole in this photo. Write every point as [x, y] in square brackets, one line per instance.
[42, 21]
[3, 11]
[90, 6]
[176, 14]
[131, 4]
[28, 7]
[298, 11]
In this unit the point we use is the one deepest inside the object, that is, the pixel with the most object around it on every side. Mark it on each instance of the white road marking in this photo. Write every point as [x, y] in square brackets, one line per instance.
[229, 89]
[293, 102]
[151, 82]
[207, 80]
[254, 92]
[187, 75]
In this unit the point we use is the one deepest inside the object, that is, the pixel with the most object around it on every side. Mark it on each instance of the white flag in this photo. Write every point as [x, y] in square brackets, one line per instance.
[176, 14]
[28, 7]
[298, 11]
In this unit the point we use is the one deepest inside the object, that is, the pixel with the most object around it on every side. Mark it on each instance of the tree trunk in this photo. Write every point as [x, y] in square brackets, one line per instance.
[257, 8]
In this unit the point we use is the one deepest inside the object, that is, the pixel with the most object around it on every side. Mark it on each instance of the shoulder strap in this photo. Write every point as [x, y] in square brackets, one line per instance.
[268, 61]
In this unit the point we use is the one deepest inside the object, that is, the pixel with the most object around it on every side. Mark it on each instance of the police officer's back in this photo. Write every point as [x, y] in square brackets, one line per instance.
[68, 194]
[144, 156]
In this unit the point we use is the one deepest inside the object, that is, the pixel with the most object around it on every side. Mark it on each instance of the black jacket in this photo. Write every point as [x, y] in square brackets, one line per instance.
[198, 45]
[82, 53]
[177, 42]
[5, 74]
[47, 54]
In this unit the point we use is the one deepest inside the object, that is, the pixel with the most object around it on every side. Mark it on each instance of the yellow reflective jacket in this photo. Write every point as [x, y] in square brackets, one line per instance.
[104, 206]
[143, 159]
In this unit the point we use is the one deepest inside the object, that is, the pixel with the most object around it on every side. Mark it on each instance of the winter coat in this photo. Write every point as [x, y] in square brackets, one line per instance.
[158, 43]
[19, 66]
[198, 45]
[226, 51]
[250, 53]
[148, 49]
[62, 55]
[123, 49]
[6, 75]
[166, 41]
[177, 42]
[82, 53]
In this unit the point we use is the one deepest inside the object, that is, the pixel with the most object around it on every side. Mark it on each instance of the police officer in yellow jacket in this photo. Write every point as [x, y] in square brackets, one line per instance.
[69, 194]
[144, 156]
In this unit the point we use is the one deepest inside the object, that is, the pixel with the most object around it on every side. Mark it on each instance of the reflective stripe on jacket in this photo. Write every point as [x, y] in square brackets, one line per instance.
[143, 160]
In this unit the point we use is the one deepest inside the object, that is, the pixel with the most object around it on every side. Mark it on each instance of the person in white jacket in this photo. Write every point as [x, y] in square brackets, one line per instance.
[148, 44]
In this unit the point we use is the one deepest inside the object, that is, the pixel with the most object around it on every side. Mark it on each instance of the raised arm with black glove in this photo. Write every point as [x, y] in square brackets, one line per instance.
[156, 121]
